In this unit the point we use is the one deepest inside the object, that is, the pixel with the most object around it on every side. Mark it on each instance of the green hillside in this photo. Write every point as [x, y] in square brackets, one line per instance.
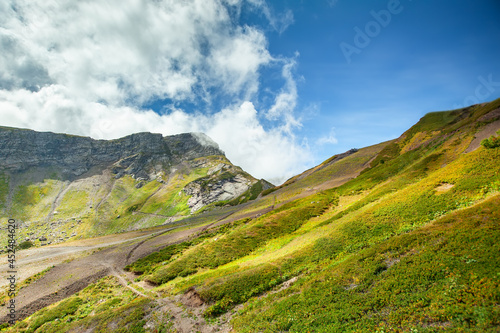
[59, 210]
[403, 236]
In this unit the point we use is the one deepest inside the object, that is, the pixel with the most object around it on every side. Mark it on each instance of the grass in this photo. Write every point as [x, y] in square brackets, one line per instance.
[116, 205]
[391, 208]
[238, 288]
[492, 142]
[33, 201]
[99, 306]
[157, 260]
[409, 245]
[74, 203]
[245, 239]
[425, 280]
[67, 307]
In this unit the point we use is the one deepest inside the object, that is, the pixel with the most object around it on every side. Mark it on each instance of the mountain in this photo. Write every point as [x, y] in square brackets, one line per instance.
[62, 187]
[402, 236]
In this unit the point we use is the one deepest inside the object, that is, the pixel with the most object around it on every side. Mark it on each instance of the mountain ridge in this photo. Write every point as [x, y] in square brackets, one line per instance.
[63, 186]
[23, 149]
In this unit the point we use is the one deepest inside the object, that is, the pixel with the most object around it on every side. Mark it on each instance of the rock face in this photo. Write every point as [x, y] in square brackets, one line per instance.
[137, 154]
[223, 182]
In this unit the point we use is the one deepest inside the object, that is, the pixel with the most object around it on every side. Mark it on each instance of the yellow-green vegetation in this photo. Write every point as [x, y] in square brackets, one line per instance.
[53, 211]
[492, 142]
[171, 200]
[34, 201]
[246, 238]
[409, 245]
[331, 173]
[100, 306]
[423, 281]
[158, 259]
[350, 261]
[73, 203]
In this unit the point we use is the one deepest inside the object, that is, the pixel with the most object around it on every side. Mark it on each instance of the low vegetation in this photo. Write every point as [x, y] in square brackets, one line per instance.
[422, 281]
[409, 245]
[492, 142]
[246, 238]
[98, 307]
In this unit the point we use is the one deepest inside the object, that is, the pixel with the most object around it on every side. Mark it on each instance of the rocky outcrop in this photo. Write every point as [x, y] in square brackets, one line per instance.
[72, 156]
[223, 182]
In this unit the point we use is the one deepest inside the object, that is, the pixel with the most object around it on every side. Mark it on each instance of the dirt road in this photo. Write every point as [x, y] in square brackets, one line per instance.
[34, 260]
[67, 278]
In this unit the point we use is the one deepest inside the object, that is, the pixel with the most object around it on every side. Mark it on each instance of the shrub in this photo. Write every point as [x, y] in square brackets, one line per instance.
[67, 307]
[25, 245]
[238, 288]
[492, 141]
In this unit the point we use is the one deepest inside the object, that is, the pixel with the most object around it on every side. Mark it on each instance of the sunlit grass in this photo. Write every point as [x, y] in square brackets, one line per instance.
[411, 244]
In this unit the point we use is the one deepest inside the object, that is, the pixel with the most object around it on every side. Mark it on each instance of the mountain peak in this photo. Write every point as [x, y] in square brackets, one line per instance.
[204, 140]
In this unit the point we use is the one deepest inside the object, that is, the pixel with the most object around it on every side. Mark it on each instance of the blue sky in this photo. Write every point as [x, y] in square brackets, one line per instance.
[428, 58]
[279, 85]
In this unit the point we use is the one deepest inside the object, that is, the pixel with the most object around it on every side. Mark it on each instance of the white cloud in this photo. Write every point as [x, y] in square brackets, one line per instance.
[331, 138]
[279, 22]
[286, 101]
[261, 152]
[87, 67]
[237, 61]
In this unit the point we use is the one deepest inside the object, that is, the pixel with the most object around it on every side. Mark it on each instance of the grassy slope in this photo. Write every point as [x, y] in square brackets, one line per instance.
[410, 245]
[100, 204]
[398, 196]
[101, 306]
[424, 281]
[324, 176]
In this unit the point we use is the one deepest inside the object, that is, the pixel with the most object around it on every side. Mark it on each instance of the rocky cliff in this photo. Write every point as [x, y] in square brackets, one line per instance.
[138, 154]
[63, 186]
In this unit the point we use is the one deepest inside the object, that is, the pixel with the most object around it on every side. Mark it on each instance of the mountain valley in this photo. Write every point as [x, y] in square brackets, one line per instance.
[169, 236]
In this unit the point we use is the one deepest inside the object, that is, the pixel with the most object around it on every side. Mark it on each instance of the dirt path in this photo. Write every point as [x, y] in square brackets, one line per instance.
[57, 201]
[187, 318]
[125, 283]
[35, 260]
[68, 278]
[151, 214]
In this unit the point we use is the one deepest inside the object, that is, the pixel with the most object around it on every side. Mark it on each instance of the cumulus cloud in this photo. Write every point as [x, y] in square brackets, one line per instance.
[236, 62]
[90, 67]
[263, 151]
